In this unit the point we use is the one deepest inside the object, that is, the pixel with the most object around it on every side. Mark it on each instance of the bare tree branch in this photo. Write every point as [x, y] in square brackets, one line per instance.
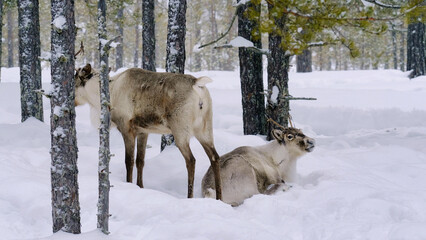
[223, 34]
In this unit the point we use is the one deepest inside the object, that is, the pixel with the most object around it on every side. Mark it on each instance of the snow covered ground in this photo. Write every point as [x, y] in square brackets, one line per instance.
[365, 180]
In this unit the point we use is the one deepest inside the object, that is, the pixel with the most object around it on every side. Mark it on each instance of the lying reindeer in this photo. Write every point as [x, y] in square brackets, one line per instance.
[263, 169]
[144, 102]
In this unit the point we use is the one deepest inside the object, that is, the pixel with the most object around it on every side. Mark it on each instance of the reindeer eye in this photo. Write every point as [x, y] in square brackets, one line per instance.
[290, 137]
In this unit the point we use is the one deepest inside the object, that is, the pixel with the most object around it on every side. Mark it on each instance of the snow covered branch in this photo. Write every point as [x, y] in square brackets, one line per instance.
[378, 3]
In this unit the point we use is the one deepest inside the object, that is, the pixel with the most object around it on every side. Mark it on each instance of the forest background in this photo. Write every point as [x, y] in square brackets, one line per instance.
[206, 21]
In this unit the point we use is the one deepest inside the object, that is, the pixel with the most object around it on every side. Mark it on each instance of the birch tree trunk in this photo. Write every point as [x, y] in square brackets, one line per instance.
[416, 59]
[10, 38]
[148, 35]
[251, 72]
[278, 65]
[104, 151]
[120, 32]
[65, 203]
[29, 61]
[175, 59]
[304, 61]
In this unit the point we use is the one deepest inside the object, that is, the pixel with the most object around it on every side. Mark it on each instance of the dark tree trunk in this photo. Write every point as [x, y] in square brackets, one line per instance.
[251, 73]
[104, 151]
[10, 38]
[416, 60]
[402, 52]
[65, 203]
[29, 61]
[120, 32]
[148, 35]
[278, 65]
[175, 59]
[394, 50]
[304, 61]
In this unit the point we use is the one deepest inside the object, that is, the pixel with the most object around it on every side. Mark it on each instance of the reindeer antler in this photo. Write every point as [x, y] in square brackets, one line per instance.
[290, 120]
[279, 125]
[79, 51]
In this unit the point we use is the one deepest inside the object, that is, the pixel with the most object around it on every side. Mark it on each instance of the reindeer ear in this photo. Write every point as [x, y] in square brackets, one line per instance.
[278, 135]
[87, 69]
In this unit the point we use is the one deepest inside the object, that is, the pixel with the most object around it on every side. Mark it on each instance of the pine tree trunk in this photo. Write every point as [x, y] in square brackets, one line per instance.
[65, 203]
[29, 61]
[416, 60]
[120, 32]
[10, 38]
[304, 61]
[278, 65]
[175, 59]
[251, 73]
[394, 50]
[402, 52]
[104, 151]
[148, 35]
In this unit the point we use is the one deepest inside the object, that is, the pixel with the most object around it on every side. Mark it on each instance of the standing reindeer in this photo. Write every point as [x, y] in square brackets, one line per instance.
[144, 102]
[246, 171]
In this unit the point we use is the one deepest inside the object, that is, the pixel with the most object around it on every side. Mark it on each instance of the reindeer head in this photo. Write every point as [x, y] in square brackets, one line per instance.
[82, 75]
[295, 139]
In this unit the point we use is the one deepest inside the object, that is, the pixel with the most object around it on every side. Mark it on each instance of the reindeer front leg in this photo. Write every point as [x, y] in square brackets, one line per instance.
[140, 157]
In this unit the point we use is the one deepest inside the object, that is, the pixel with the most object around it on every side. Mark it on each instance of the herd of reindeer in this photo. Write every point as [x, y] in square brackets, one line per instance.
[144, 102]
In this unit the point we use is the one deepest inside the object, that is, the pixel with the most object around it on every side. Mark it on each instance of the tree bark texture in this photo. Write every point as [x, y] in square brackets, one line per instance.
[148, 35]
[251, 72]
[304, 61]
[120, 32]
[104, 151]
[175, 58]
[10, 38]
[278, 65]
[29, 62]
[416, 59]
[65, 199]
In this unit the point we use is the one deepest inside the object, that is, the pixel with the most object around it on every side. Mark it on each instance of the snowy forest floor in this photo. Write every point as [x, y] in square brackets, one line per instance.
[366, 179]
